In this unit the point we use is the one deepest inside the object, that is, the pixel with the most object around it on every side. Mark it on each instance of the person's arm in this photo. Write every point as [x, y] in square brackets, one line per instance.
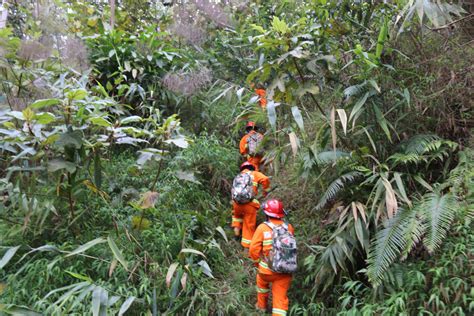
[264, 181]
[256, 246]
[291, 229]
[243, 145]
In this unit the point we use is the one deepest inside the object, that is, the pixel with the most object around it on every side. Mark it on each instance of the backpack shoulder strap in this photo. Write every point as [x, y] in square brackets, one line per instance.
[270, 224]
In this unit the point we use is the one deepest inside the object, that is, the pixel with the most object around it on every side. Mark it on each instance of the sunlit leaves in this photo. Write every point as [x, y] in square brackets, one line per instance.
[38, 104]
[280, 26]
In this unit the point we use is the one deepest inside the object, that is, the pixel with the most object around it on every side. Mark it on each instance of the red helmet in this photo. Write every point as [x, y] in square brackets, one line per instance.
[247, 165]
[274, 208]
[250, 124]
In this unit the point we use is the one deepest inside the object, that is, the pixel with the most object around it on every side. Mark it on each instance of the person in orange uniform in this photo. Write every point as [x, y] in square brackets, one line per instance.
[259, 249]
[255, 160]
[244, 216]
[260, 91]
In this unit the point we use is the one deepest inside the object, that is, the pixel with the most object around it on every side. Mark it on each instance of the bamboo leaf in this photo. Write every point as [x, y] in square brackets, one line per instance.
[222, 232]
[343, 117]
[271, 113]
[298, 117]
[126, 305]
[8, 256]
[194, 251]
[170, 273]
[117, 253]
[86, 246]
[401, 187]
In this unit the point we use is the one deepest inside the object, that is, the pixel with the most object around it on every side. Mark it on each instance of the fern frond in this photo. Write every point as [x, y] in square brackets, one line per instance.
[410, 158]
[388, 244]
[419, 144]
[335, 187]
[438, 212]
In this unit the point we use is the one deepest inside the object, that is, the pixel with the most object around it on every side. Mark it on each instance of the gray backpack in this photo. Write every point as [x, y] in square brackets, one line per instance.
[254, 142]
[282, 257]
[242, 188]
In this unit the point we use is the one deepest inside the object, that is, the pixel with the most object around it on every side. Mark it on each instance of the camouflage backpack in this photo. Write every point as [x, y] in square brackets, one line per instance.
[282, 256]
[242, 188]
[254, 142]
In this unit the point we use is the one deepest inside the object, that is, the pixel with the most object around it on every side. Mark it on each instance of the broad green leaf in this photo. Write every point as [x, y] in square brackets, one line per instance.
[187, 176]
[257, 28]
[131, 119]
[8, 255]
[45, 118]
[16, 114]
[70, 138]
[117, 253]
[279, 26]
[78, 94]
[189, 250]
[126, 305]
[38, 104]
[100, 121]
[86, 246]
[58, 164]
[298, 117]
[307, 88]
[180, 142]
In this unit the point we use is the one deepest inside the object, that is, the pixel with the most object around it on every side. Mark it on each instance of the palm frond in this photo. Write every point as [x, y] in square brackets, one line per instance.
[388, 244]
[438, 212]
[335, 187]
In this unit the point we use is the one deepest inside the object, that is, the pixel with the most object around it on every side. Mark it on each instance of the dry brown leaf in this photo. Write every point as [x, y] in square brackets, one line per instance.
[354, 210]
[184, 279]
[294, 143]
[149, 199]
[390, 199]
[112, 267]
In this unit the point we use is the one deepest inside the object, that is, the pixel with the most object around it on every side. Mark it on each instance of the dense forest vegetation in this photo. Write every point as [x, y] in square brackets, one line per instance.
[119, 130]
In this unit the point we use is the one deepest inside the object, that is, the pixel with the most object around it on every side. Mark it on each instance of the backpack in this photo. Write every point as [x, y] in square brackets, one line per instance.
[254, 142]
[242, 188]
[282, 256]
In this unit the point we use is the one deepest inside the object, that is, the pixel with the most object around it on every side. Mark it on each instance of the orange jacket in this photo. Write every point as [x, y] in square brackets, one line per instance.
[243, 146]
[262, 93]
[259, 178]
[262, 244]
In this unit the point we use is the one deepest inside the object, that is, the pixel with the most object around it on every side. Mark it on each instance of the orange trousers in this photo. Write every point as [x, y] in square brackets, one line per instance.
[280, 285]
[244, 216]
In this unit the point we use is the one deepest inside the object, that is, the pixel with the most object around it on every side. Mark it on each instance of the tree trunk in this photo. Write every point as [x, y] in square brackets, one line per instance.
[112, 14]
[3, 14]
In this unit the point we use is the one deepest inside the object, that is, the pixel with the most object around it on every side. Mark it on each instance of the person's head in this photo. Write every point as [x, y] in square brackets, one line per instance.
[247, 166]
[250, 126]
[273, 208]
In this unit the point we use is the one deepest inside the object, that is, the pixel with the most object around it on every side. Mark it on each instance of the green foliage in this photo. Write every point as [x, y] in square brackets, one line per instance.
[116, 166]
